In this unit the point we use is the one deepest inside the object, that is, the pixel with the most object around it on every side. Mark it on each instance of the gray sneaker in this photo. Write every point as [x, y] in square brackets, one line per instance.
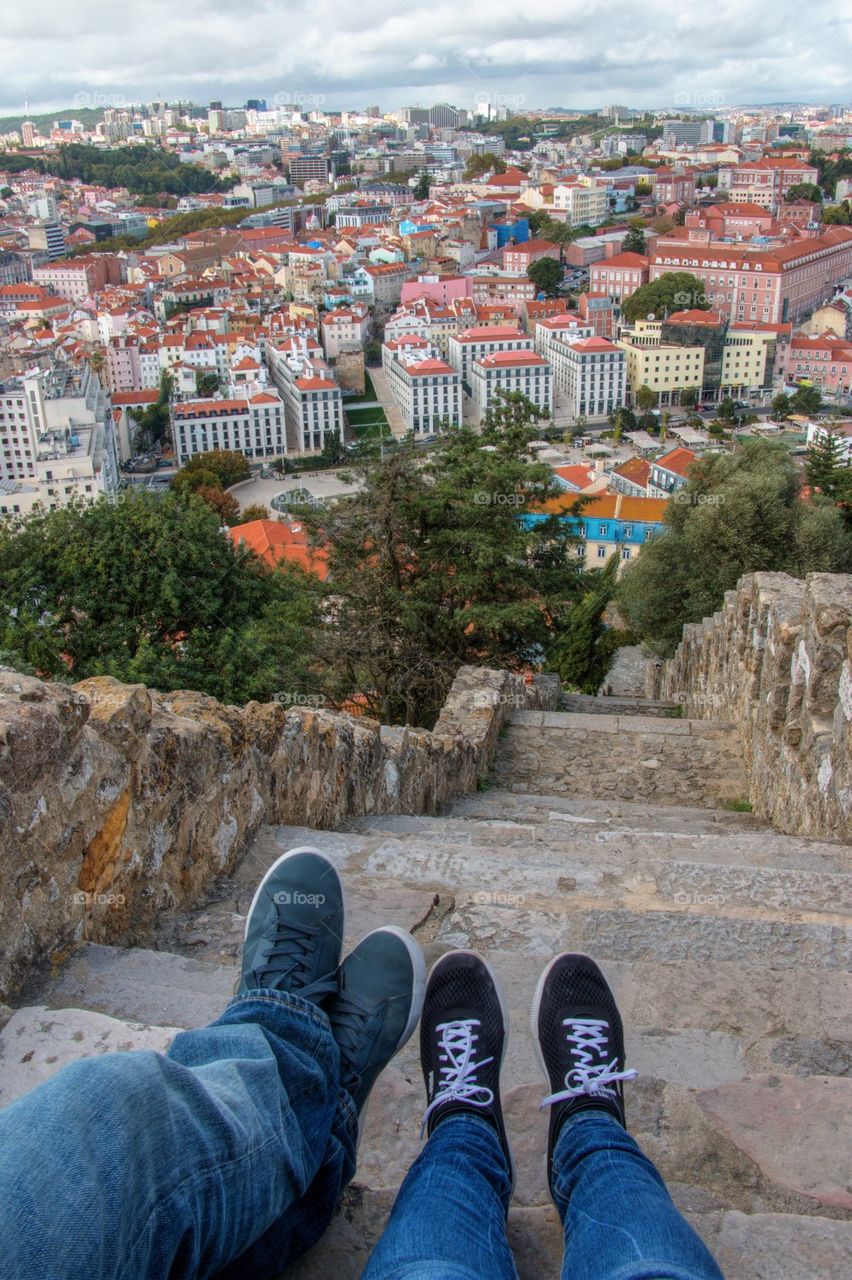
[377, 1007]
[294, 928]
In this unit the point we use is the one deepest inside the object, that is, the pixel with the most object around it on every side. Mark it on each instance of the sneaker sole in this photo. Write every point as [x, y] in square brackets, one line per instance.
[291, 853]
[504, 1010]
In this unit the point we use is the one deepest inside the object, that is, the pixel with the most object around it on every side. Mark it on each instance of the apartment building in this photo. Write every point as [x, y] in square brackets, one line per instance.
[57, 442]
[609, 524]
[766, 182]
[582, 204]
[481, 341]
[343, 328]
[567, 326]
[770, 285]
[77, 279]
[313, 404]
[488, 287]
[426, 388]
[520, 257]
[249, 424]
[825, 361]
[590, 374]
[620, 276]
[510, 372]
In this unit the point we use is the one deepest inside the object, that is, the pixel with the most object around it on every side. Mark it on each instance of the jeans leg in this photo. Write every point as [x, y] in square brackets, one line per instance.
[140, 1166]
[619, 1220]
[449, 1219]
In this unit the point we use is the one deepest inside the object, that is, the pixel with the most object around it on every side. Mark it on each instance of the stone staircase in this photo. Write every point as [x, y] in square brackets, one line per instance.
[618, 833]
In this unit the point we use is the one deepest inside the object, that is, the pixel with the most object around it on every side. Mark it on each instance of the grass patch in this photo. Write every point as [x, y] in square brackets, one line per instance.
[739, 806]
[365, 417]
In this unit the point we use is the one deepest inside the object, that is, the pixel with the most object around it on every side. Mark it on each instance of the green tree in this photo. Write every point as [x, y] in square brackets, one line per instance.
[673, 291]
[152, 423]
[217, 468]
[805, 191]
[739, 512]
[149, 589]
[254, 511]
[689, 397]
[826, 468]
[781, 406]
[479, 165]
[728, 411]
[421, 187]
[433, 567]
[547, 275]
[645, 398]
[206, 382]
[578, 654]
[806, 401]
[838, 214]
[634, 241]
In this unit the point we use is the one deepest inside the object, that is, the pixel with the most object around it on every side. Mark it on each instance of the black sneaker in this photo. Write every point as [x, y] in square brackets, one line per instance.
[577, 1030]
[294, 928]
[377, 1006]
[463, 1036]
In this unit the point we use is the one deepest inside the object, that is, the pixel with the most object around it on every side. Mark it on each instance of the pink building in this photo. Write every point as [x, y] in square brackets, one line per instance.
[520, 257]
[674, 188]
[441, 289]
[738, 221]
[620, 276]
[768, 285]
[825, 361]
[767, 181]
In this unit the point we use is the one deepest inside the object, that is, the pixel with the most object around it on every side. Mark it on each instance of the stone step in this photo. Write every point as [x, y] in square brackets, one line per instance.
[504, 867]
[747, 1246]
[140, 985]
[597, 843]
[524, 806]
[683, 762]
[591, 704]
[37, 1041]
[706, 1173]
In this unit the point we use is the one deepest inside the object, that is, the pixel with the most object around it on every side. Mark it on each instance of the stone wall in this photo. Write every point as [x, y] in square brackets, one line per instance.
[117, 802]
[652, 760]
[777, 659]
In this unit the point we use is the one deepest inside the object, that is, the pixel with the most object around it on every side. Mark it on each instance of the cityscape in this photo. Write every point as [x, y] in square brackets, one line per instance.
[408, 478]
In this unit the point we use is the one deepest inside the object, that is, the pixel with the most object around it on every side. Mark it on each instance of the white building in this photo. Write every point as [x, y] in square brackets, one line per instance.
[344, 328]
[508, 372]
[426, 388]
[842, 432]
[312, 401]
[252, 424]
[474, 344]
[57, 441]
[583, 205]
[591, 375]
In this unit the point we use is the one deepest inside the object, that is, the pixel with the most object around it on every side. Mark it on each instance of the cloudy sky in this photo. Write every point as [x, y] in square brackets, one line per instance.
[339, 53]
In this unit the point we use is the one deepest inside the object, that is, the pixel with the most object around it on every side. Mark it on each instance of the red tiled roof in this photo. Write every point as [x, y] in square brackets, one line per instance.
[275, 541]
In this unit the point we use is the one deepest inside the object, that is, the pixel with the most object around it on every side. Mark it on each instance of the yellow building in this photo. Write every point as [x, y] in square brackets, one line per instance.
[666, 369]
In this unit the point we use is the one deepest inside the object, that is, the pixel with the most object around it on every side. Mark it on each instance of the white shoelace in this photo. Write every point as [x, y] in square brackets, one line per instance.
[592, 1074]
[458, 1068]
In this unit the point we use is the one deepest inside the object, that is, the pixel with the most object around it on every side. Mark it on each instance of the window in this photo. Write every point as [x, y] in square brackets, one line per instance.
[602, 553]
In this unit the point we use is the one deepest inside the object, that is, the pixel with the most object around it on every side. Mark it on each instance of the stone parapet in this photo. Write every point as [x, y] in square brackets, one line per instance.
[117, 802]
[777, 659]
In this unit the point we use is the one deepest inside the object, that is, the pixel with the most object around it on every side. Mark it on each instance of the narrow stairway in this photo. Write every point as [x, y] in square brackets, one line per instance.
[624, 835]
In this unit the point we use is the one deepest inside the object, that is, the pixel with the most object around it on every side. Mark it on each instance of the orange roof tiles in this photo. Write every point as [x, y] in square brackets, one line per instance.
[275, 541]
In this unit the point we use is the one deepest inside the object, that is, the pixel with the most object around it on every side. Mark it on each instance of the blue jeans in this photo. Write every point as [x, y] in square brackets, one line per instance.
[619, 1222]
[225, 1156]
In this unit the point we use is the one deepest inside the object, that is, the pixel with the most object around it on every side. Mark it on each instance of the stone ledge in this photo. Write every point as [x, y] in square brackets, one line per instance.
[117, 801]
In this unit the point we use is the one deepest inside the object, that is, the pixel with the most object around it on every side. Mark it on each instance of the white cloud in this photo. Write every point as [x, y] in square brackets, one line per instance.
[565, 52]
